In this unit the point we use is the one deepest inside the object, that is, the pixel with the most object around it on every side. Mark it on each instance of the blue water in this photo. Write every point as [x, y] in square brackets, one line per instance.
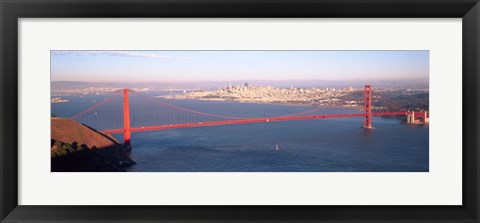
[322, 145]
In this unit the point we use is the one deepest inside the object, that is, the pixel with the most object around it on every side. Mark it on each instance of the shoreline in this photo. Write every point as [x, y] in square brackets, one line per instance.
[267, 103]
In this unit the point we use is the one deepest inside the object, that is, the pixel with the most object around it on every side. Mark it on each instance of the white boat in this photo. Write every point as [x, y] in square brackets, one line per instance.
[276, 148]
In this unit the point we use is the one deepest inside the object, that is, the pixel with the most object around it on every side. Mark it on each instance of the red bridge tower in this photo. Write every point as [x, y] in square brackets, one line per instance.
[126, 121]
[367, 99]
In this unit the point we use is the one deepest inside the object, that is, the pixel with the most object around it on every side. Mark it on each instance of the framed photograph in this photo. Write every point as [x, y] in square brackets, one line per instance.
[239, 111]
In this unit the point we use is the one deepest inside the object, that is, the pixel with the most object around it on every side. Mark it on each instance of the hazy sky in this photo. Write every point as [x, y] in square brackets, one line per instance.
[159, 66]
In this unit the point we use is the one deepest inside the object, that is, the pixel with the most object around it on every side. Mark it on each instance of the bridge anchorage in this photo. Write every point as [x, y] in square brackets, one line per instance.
[151, 114]
[416, 118]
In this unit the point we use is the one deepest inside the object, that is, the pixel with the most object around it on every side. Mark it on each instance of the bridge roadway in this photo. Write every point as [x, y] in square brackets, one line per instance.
[247, 120]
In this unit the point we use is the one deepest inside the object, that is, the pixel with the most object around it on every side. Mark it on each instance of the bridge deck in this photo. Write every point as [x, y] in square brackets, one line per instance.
[247, 120]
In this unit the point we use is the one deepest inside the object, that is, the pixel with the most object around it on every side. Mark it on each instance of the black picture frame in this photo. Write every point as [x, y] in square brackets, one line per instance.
[12, 10]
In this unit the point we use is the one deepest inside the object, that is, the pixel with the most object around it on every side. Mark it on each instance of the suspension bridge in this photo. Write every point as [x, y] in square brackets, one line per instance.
[152, 114]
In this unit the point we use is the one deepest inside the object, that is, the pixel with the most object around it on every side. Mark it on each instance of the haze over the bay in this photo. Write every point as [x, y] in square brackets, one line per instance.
[414, 84]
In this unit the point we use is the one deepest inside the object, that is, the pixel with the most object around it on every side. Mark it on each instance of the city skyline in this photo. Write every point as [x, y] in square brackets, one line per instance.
[185, 66]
